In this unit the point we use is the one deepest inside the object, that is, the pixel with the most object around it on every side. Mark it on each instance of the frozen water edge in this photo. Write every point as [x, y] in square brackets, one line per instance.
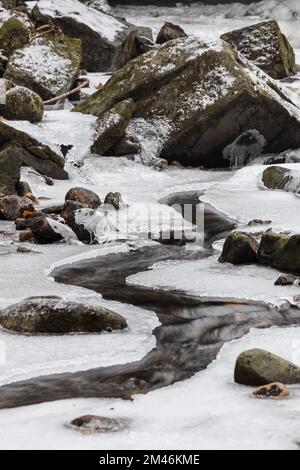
[208, 411]
[23, 357]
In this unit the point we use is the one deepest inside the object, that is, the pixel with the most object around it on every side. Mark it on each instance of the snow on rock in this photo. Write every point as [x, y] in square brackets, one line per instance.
[104, 37]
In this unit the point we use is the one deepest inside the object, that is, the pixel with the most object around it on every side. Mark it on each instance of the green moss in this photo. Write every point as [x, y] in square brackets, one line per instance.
[14, 34]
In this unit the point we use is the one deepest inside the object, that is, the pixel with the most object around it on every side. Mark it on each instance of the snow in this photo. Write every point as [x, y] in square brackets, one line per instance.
[208, 278]
[208, 411]
[105, 25]
[44, 64]
[243, 197]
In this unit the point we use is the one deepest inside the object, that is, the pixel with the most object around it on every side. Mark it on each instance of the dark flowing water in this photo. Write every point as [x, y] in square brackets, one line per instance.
[191, 334]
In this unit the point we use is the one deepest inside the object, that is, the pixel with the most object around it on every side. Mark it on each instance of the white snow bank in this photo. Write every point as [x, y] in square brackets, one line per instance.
[244, 198]
[209, 278]
[105, 25]
[208, 411]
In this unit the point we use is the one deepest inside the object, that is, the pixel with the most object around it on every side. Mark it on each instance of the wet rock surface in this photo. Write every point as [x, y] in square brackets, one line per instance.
[240, 248]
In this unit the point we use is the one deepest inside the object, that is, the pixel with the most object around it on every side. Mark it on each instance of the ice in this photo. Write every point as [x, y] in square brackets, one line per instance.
[208, 411]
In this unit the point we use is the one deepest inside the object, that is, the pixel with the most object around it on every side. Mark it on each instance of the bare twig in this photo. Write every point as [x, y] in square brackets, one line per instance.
[68, 93]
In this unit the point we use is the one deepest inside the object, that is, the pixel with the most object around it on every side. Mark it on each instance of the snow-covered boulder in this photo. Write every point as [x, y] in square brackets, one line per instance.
[193, 99]
[110, 127]
[34, 153]
[278, 177]
[48, 65]
[100, 5]
[106, 41]
[265, 46]
[53, 315]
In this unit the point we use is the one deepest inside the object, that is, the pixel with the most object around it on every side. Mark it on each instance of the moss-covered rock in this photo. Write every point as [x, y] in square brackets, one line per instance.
[278, 177]
[110, 127]
[239, 248]
[24, 104]
[193, 99]
[10, 164]
[280, 251]
[258, 367]
[266, 46]
[52, 315]
[15, 33]
[48, 65]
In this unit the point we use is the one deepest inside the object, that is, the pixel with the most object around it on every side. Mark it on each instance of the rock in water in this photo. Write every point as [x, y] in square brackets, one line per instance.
[10, 164]
[278, 177]
[15, 207]
[34, 153]
[114, 201]
[97, 424]
[107, 42]
[258, 367]
[275, 390]
[280, 251]
[84, 196]
[68, 214]
[266, 46]
[24, 104]
[239, 248]
[287, 280]
[47, 65]
[168, 32]
[52, 315]
[110, 127]
[200, 102]
[245, 148]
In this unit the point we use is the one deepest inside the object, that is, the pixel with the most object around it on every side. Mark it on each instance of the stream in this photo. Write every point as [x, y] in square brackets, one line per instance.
[192, 330]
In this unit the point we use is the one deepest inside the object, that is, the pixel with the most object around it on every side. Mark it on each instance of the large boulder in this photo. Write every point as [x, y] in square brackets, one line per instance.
[10, 164]
[278, 177]
[168, 32]
[239, 248]
[48, 65]
[193, 99]
[15, 33]
[111, 126]
[52, 315]
[280, 251]
[258, 367]
[23, 104]
[106, 41]
[266, 46]
[34, 153]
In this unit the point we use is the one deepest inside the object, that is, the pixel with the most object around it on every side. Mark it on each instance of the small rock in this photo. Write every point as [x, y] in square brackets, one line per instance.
[258, 367]
[52, 315]
[168, 32]
[115, 200]
[287, 280]
[239, 248]
[68, 214]
[274, 390]
[84, 196]
[97, 424]
[26, 235]
[255, 222]
[23, 188]
[40, 227]
[15, 207]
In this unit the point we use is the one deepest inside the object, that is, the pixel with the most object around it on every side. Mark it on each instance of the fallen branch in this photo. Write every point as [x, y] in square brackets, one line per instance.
[68, 93]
